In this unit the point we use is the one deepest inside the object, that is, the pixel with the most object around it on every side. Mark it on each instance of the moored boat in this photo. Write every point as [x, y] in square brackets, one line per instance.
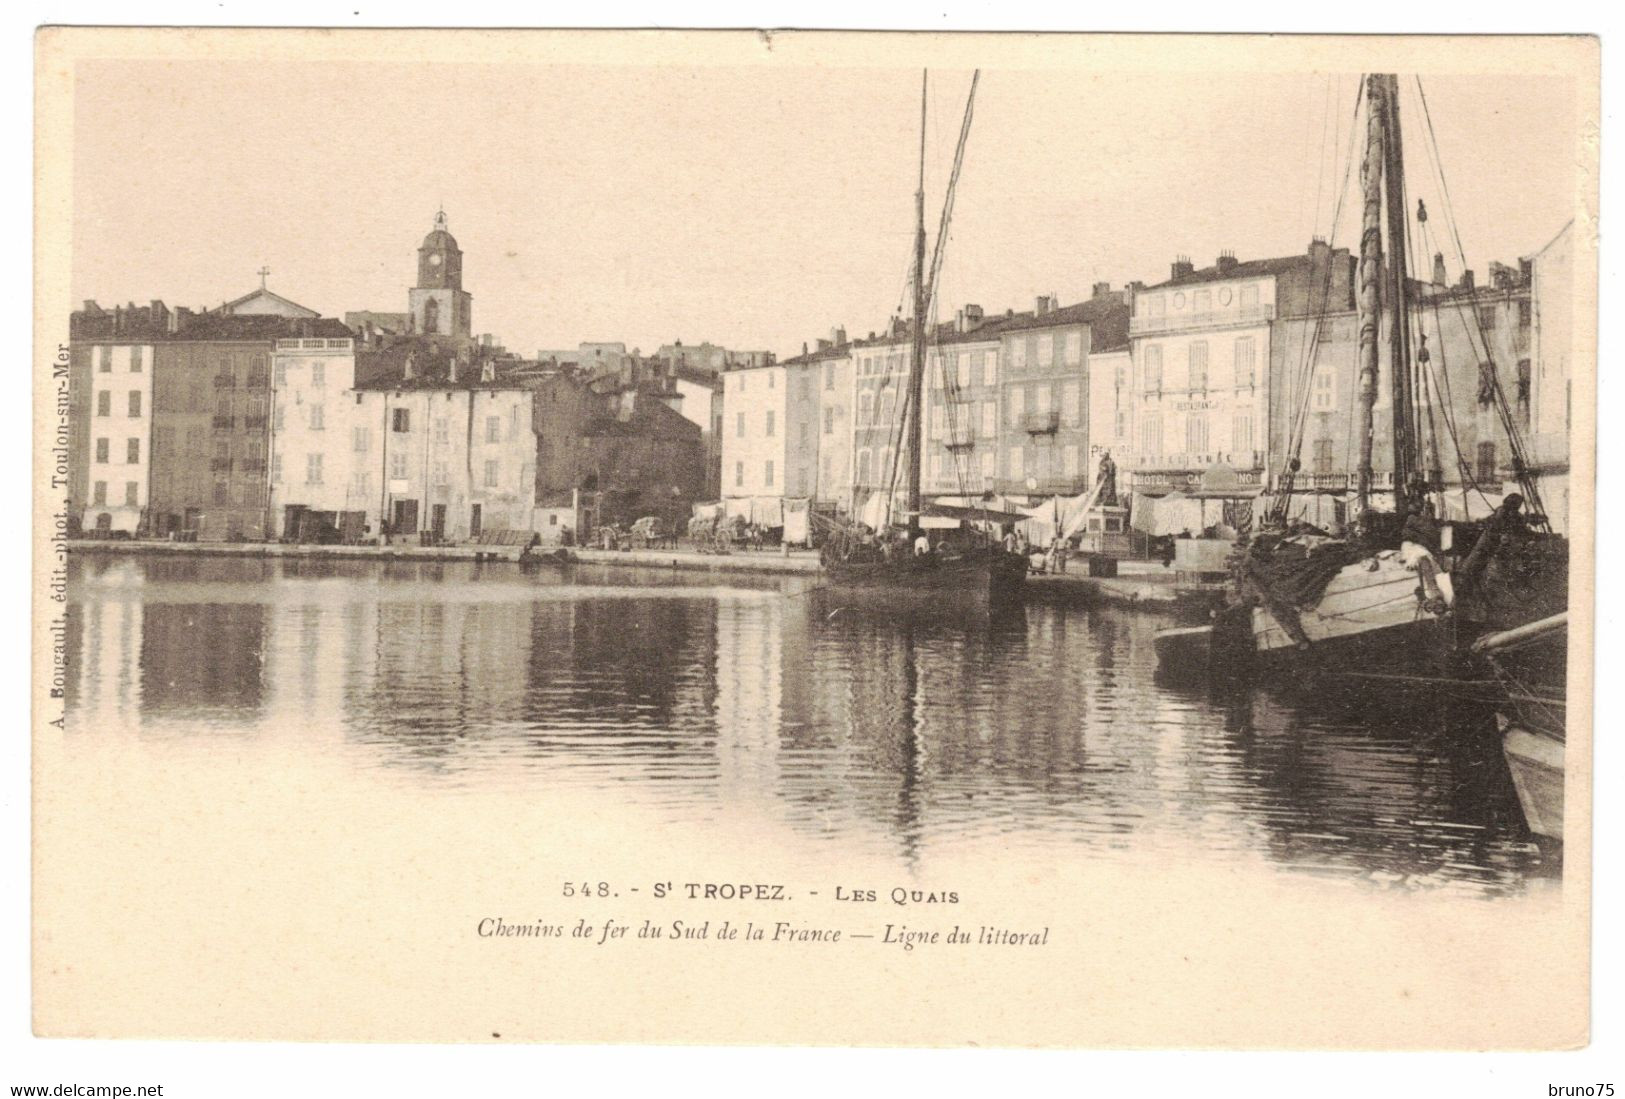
[1530, 664]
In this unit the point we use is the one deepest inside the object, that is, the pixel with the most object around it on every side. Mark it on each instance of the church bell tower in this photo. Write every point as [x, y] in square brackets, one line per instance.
[440, 305]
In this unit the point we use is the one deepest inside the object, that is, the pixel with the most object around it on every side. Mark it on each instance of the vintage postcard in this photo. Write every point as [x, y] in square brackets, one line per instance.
[814, 538]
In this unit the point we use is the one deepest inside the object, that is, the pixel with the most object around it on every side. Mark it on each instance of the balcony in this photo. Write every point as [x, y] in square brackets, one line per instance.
[225, 381]
[960, 437]
[1214, 318]
[1041, 423]
[253, 423]
[220, 465]
[225, 423]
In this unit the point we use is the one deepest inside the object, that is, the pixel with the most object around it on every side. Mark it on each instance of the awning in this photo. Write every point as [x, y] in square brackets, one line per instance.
[974, 514]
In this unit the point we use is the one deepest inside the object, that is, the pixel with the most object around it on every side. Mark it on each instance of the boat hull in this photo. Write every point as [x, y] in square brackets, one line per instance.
[1366, 617]
[1535, 761]
[989, 579]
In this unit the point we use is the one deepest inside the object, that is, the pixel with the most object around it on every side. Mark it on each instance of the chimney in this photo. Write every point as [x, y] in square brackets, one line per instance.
[973, 314]
[1227, 260]
[871, 336]
[825, 345]
[803, 347]
[1182, 267]
[1100, 290]
[1440, 278]
[959, 321]
[1319, 251]
[1466, 282]
[485, 339]
[1042, 305]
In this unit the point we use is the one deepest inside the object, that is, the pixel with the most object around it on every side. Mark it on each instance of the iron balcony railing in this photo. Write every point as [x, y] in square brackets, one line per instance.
[1041, 423]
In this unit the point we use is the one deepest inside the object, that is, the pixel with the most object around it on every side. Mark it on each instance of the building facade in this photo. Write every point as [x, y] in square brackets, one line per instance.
[117, 449]
[1201, 345]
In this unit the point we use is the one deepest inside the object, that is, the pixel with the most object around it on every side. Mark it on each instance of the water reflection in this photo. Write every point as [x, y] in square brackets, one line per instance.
[1046, 730]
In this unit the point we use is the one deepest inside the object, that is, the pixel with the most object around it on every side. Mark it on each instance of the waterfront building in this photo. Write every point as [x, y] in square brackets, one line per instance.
[960, 442]
[1556, 344]
[700, 402]
[1202, 352]
[1478, 339]
[754, 406]
[201, 386]
[1046, 358]
[312, 462]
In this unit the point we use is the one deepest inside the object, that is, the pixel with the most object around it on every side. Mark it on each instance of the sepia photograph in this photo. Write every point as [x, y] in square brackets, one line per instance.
[1017, 540]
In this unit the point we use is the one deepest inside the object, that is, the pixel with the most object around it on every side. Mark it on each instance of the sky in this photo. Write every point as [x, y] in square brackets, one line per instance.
[753, 206]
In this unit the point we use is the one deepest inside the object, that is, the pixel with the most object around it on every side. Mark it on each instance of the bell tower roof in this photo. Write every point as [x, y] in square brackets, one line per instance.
[439, 238]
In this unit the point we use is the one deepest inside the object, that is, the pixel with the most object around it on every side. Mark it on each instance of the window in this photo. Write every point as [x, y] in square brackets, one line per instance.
[361, 438]
[739, 426]
[1249, 296]
[936, 467]
[313, 469]
[1018, 353]
[1323, 456]
[1069, 461]
[829, 376]
[318, 373]
[990, 419]
[771, 379]
[493, 429]
[1046, 350]
[863, 467]
[1072, 403]
[1198, 365]
[1526, 313]
[1244, 361]
[1156, 306]
[1041, 399]
[1074, 348]
[276, 469]
[801, 482]
[491, 474]
[397, 466]
[1487, 470]
[104, 403]
[318, 417]
[132, 493]
[222, 492]
[829, 421]
[135, 404]
[1153, 367]
[1202, 301]
[1196, 434]
[279, 420]
[98, 493]
[767, 468]
[963, 373]
[401, 420]
[132, 451]
[1120, 428]
[279, 374]
[1325, 391]
[1151, 436]
[990, 367]
[1017, 401]
[1241, 434]
[1015, 463]
[865, 407]
[770, 420]
[104, 360]
[135, 360]
[739, 475]
[101, 450]
[988, 458]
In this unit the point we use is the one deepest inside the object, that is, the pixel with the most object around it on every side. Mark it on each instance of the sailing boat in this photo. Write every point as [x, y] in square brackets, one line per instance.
[1391, 592]
[976, 567]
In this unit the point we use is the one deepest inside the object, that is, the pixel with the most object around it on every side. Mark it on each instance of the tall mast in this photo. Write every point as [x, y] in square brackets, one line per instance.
[1399, 333]
[913, 410]
[1370, 277]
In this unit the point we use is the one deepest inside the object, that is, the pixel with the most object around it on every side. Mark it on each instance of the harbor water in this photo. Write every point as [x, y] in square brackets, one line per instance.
[700, 698]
